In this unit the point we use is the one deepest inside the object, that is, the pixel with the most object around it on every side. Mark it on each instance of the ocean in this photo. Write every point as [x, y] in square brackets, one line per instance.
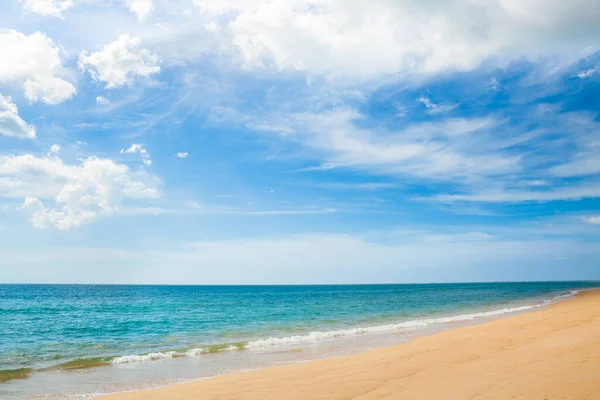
[77, 341]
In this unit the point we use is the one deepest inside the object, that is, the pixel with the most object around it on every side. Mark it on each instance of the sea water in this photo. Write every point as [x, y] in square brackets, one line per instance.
[78, 341]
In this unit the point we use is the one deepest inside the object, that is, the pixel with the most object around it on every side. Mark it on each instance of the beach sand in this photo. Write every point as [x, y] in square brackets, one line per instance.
[553, 353]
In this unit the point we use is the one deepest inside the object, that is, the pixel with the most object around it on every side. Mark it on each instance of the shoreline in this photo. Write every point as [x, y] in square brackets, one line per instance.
[422, 325]
[278, 381]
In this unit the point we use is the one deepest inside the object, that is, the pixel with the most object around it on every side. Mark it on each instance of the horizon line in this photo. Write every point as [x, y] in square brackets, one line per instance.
[293, 284]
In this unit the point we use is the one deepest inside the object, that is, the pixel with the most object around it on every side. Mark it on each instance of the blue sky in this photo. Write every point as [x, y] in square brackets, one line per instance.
[296, 141]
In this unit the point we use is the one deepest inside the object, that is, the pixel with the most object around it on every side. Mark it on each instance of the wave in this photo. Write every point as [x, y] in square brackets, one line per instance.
[143, 357]
[218, 348]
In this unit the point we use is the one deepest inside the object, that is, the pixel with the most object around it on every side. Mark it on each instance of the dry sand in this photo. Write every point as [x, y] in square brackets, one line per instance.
[553, 353]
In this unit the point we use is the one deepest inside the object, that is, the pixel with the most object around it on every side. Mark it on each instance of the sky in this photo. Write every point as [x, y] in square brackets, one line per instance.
[299, 141]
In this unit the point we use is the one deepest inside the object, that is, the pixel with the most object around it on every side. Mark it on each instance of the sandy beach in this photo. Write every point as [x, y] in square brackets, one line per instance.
[553, 353]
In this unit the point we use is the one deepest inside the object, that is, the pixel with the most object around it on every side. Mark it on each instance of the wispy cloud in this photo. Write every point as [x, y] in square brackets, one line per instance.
[594, 219]
[567, 192]
[588, 73]
[284, 212]
[445, 150]
[358, 186]
[322, 167]
[433, 108]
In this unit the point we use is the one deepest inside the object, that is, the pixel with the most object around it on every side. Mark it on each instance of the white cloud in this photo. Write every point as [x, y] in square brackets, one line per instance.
[141, 8]
[444, 150]
[120, 62]
[586, 137]
[567, 192]
[139, 148]
[183, 154]
[358, 186]
[588, 73]
[493, 85]
[351, 38]
[103, 101]
[595, 219]
[222, 7]
[484, 158]
[586, 164]
[456, 237]
[400, 110]
[433, 108]
[78, 193]
[322, 167]
[34, 63]
[537, 182]
[11, 124]
[279, 128]
[54, 148]
[47, 8]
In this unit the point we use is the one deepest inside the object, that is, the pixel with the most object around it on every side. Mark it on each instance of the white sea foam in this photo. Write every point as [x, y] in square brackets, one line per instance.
[143, 357]
[196, 352]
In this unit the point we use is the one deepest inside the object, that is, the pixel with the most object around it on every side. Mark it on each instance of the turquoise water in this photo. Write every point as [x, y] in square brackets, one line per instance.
[58, 329]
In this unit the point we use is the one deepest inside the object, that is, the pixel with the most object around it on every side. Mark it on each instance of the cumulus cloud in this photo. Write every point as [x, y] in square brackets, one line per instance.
[11, 124]
[351, 38]
[120, 62]
[34, 62]
[141, 8]
[183, 154]
[140, 149]
[47, 8]
[66, 196]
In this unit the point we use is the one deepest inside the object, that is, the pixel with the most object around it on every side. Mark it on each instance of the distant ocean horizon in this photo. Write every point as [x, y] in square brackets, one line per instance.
[79, 340]
[294, 284]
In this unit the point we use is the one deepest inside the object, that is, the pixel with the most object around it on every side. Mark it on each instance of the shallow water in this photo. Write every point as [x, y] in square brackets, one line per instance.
[60, 341]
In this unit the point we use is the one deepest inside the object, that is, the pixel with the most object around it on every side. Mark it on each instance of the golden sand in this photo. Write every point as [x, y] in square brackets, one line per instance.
[553, 353]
